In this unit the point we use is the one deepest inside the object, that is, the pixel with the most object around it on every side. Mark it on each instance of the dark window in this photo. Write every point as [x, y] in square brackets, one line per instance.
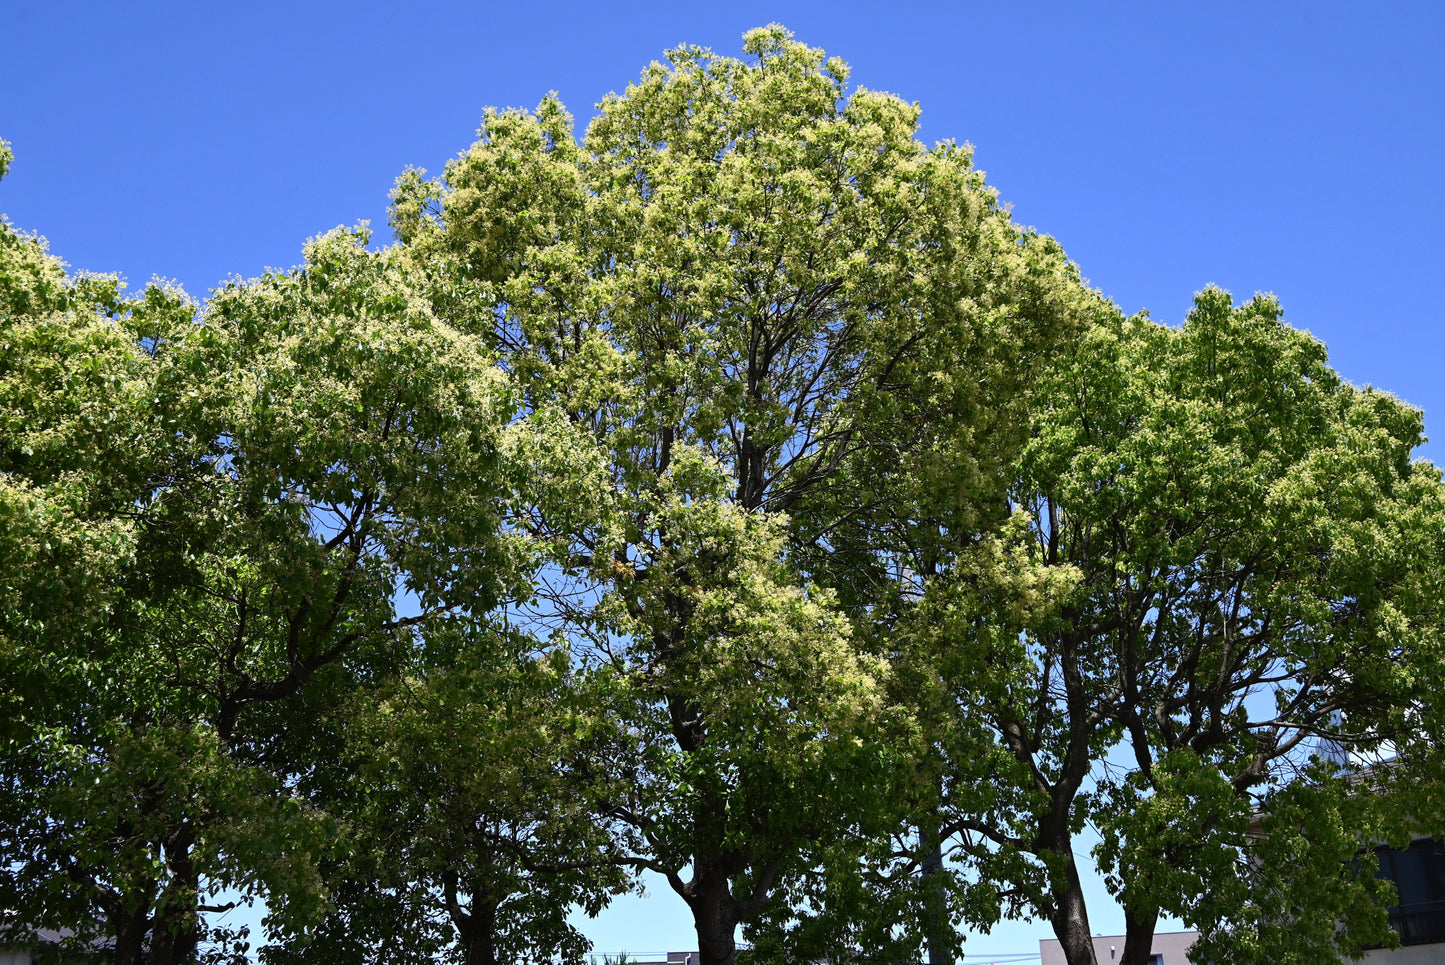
[1419, 874]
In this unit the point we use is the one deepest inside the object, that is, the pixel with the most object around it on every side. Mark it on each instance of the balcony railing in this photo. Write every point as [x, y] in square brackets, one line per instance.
[1419, 924]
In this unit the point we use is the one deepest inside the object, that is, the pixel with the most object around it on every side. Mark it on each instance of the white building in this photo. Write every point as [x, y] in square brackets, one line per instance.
[1169, 948]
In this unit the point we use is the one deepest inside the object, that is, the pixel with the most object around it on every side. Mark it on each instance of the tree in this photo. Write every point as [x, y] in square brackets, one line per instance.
[1223, 555]
[79, 450]
[312, 444]
[721, 290]
[67, 415]
[738, 475]
[468, 791]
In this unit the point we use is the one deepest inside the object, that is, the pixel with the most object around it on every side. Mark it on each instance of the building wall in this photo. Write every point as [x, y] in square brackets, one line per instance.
[1173, 946]
[1408, 955]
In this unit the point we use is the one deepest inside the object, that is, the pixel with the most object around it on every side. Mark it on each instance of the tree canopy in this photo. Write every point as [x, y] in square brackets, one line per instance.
[732, 289]
[1236, 560]
[733, 492]
[239, 494]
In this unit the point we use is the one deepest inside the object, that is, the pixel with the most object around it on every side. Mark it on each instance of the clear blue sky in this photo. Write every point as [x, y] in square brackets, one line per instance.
[1293, 148]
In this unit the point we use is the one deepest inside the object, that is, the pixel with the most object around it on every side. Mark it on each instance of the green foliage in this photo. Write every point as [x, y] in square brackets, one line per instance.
[744, 293]
[202, 512]
[470, 801]
[1214, 515]
[733, 492]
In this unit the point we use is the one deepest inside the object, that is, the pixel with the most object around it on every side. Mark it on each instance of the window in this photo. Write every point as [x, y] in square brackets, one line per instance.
[1419, 874]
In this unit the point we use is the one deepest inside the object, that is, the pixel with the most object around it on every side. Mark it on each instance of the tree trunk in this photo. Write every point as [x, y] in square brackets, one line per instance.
[175, 933]
[715, 914]
[1138, 934]
[130, 935]
[476, 923]
[936, 929]
[174, 942]
[479, 941]
[1070, 917]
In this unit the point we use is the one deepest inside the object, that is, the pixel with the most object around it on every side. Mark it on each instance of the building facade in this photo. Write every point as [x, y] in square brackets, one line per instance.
[1419, 918]
[1169, 948]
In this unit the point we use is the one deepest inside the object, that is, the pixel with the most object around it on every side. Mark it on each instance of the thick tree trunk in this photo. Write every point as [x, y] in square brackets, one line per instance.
[130, 937]
[174, 941]
[1138, 934]
[1070, 918]
[476, 923]
[715, 914]
[171, 936]
[479, 941]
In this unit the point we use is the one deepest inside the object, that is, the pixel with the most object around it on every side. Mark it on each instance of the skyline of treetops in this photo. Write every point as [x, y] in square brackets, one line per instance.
[730, 490]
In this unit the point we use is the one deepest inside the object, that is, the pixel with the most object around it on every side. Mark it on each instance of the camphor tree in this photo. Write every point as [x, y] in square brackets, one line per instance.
[267, 475]
[81, 449]
[467, 788]
[1224, 554]
[67, 415]
[720, 290]
[844, 531]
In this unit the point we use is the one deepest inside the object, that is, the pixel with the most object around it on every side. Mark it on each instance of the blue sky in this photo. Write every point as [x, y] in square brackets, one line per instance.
[1293, 148]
